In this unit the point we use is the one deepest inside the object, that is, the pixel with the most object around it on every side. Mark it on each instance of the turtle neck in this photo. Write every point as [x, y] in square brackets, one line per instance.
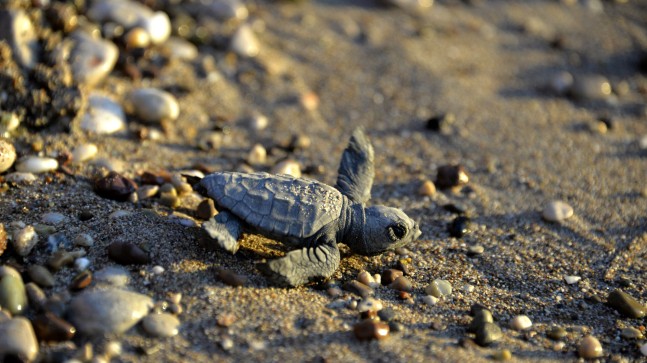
[351, 232]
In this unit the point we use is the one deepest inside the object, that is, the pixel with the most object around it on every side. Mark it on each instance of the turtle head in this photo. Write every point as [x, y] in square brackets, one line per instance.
[386, 229]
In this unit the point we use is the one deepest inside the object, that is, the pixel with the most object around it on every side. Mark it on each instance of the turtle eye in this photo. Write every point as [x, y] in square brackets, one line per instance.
[397, 231]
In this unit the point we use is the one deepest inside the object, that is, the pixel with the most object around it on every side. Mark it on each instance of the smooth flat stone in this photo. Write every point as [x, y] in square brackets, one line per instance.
[154, 105]
[626, 304]
[109, 311]
[113, 275]
[439, 288]
[487, 334]
[91, 59]
[20, 33]
[17, 338]
[557, 211]
[41, 275]
[13, 297]
[244, 42]
[36, 164]
[103, 116]
[162, 325]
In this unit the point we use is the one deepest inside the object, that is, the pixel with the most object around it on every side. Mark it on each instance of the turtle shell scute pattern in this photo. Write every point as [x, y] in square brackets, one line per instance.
[278, 204]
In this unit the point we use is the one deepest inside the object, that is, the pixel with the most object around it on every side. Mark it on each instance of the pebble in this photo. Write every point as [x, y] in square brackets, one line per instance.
[590, 88]
[161, 325]
[35, 296]
[113, 275]
[7, 155]
[288, 167]
[369, 304]
[371, 329]
[487, 334]
[226, 9]
[13, 297]
[244, 42]
[626, 304]
[24, 240]
[643, 349]
[206, 209]
[475, 250]
[108, 311]
[53, 218]
[131, 14]
[402, 283]
[147, 191]
[84, 152]
[441, 123]
[557, 211]
[430, 300]
[84, 240]
[520, 322]
[81, 264]
[91, 59]
[3, 239]
[18, 339]
[257, 155]
[154, 105]
[439, 288]
[20, 178]
[502, 355]
[258, 122]
[410, 4]
[50, 328]
[36, 164]
[115, 186]
[428, 189]
[358, 288]
[590, 348]
[179, 48]
[110, 164]
[63, 258]
[82, 280]
[561, 83]
[366, 278]
[103, 116]
[19, 32]
[459, 227]
[450, 176]
[571, 279]
[231, 278]
[390, 275]
[126, 253]
[481, 317]
[41, 275]
[631, 333]
[137, 38]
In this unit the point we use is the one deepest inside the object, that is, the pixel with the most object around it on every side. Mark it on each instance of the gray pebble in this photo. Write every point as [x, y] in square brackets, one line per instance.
[225, 9]
[439, 288]
[161, 325]
[103, 116]
[19, 32]
[180, 48]
[35, 295]
[358, 288]
[53, 218]
[480, 318]
[244, 42]
[561, 83]
[557, 211]
[591, 88]
[113, 275]
[18, 339]
[130, 14]
[7, 155]
[631, 333]
[20, 178]
[84, 240]
[154, 105]
[13, 297]
[41, 275]
[487, 334]
[24, 240]
[109, 311]
[91, 59]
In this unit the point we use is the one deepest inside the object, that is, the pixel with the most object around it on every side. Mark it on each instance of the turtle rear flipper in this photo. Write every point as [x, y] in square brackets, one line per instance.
[356, 170]
[301, 266]
[225, 229]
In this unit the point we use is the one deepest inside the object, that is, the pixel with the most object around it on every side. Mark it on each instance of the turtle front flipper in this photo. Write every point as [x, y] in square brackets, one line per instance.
[299, 267]
[356, 170]
[225, 229]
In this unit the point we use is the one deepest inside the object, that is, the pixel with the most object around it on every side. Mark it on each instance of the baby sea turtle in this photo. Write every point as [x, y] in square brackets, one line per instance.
[308, 214]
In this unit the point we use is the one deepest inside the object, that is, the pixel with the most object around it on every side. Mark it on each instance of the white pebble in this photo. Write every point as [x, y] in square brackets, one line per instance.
[468, 288]
[572, 279]
[244, 42]
[81, 264]
[158, 270]
[288, 167]
[257, 155]
[53, 218]
[365, 278]
[557, 211]
[84, 152]
[258, 122]
[154, 105]
[561, 83]
[109, 164]
[430, 300]
[158, 27]
[643, 349]
[104, 116]
[113, 349]
[227, 343]
[119, 214]
[84, 240]
[20, 178]
[369, 304]
[147, 191]
[24, 240]
[520, 322]
[36, 164]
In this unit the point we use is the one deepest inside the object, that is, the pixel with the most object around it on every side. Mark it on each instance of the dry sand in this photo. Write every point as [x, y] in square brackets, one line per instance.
[389, 70]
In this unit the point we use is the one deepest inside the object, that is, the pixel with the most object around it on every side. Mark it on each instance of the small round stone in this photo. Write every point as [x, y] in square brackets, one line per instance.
[571, 279]
[91, 59]
[154, 105]
[557, 211]
[20, 178]
[590, 348]
[36, 296]
[257, 155]
[402, 283]
[158, 270]
[113, 275]
[18, 339]
[147, 191]
[561, 83]
[502, 355]
[244, 42]
[206, 209]
[481, 317]
[366, 278]
[475, 250]
[84, 152]
[459, 227]
[430, 300]
[427, 189]
[439, 288]
[53, 218]
[36, 164]
[161, 325]
[81, 281]
[7, 155]
[520, 322]
[371, 329]
[258, 122]
[288, 167]
[81, 264]
[137, 38]
[115, 186]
